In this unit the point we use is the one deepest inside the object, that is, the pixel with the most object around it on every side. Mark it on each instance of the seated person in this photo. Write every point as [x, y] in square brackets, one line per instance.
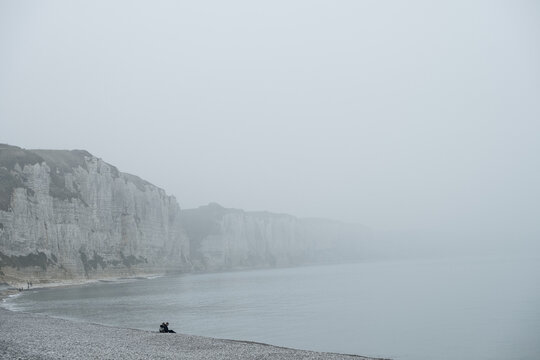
[167, 328]
[164, 328]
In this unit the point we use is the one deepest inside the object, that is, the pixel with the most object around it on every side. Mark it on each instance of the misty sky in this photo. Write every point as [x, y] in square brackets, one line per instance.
[400, 115]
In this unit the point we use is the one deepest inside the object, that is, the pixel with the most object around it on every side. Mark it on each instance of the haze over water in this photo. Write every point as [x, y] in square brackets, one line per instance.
[469, 308]
[418, 119]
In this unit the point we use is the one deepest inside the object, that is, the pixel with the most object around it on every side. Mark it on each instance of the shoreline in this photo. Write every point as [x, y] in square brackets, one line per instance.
[26, 335]
[37, 336]
[12, 289]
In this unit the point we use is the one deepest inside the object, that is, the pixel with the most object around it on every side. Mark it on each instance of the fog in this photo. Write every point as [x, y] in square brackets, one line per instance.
[420, 120]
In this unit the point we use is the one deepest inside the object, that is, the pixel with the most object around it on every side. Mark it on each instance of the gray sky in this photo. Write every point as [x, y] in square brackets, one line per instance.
[400, 115]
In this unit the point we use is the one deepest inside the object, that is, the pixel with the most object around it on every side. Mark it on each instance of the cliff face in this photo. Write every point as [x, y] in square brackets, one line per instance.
[68, 214]
[229, 238]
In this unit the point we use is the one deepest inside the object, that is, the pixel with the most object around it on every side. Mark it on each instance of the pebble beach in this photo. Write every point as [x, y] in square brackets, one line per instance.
[36, 336]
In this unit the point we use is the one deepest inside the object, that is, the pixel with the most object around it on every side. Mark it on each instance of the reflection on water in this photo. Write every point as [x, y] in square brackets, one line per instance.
[444, 309]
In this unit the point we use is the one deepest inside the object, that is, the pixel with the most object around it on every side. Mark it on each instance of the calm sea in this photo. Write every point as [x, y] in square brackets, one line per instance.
[430, 309]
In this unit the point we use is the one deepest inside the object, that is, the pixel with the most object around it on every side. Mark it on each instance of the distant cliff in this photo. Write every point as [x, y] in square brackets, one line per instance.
[223, 238]
[68, 214]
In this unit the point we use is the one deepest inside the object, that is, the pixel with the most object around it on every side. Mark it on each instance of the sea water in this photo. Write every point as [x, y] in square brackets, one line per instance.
[424, 309]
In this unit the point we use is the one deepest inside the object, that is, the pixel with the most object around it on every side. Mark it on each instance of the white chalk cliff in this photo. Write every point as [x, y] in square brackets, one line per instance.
[223, 238]
[68, 215]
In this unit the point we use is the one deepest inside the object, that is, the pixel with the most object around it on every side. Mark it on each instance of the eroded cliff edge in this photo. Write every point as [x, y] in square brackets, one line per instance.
[67, 214]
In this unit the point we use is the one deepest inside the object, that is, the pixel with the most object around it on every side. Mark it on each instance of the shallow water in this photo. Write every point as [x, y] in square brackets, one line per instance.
[437, 309]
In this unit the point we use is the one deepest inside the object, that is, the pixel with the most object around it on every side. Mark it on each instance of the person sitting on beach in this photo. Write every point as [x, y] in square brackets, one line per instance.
[164, 328]
[167, 328]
